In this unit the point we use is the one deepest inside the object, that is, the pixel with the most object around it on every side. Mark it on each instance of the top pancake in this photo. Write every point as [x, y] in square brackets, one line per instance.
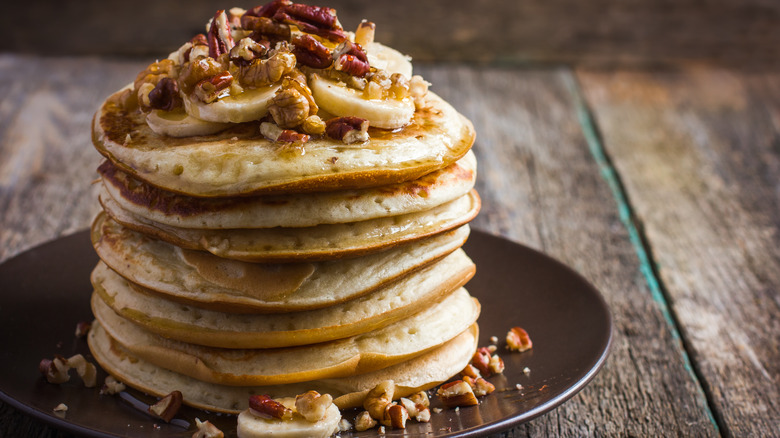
[240, 161]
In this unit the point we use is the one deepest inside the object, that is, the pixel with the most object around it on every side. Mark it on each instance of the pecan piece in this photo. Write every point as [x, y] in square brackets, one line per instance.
[82, 328]
[316, 20]
[165, 95]
[265, 406]
[457, 393]
[517, 339]
[167, 407]
[310, 52]
[365, 33]
[379, 398]
[207, 430]
[289, 108]
[210, 89]
[348, 129]
[481, 361]
[266, 29]
[55, 371]
[197, 70]
[364, 421]
[247, 50]
[350, 58]
[220, 39]
[267, 10]
[395, 416]
[313, 405]
[262, 72]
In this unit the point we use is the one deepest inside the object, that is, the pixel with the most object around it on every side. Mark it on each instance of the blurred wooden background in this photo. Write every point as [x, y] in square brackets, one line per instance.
[625, 32]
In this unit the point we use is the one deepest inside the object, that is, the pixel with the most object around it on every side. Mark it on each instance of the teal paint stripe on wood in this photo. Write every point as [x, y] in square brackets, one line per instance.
[627, 217]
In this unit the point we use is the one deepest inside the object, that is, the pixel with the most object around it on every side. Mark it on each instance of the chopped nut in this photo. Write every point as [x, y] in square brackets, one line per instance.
[399, 86]
[364, 34]
[395, 416]
[316, 20]
[423, 415]
[437, 410]
[470, 371]
[195, 71]
[206, 430]
[517, 339]
[494, 339]
[246, 50]
[496, 365]
[416, 410]
[313, 405]
[457, 393]
[480, 386]
[310, 52]
[219, 36]
[350, 58]
[266, 29]
[420, 398]
[55, 371]
[348, 129]
[364, 421]
[270, 130]
[212, 88]
[481, 361]
[262, 72]
[112, 386]
[289, 108]
[148, 79]
[85, 370]
[344, 425]
[379, 398]
[82, 329]
[519, 387]
[314, 125]
[266, 407]
[60, 410]
[165, 95]
[167, 407]
[526, 371]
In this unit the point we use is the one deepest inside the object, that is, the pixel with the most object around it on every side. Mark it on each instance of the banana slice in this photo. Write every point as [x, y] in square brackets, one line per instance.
[250, 105]
[341, 100]
[389, 59]
[178, 123]
[252, 426]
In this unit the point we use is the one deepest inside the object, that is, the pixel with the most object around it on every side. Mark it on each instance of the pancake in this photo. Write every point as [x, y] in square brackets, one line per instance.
[322, 242]
[292, 210]
[402, 340]
[420, 373]
[201, 279]
[240, 161]
[218, 329]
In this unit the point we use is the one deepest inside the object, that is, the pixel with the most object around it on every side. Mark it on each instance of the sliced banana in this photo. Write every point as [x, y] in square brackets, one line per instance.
[250, 105]
[389, 59]
[252, 426]
[178, 123]
[340, 100]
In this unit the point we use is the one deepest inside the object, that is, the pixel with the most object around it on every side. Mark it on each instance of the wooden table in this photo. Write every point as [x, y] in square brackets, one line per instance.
[660, 187]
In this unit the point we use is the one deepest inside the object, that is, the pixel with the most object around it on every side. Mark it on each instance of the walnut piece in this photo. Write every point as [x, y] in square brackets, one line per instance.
[289, 108]
[262, 72]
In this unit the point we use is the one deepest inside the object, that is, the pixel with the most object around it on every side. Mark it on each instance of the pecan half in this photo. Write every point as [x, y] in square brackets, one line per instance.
[310, 52]
[165, 95]
[268, 9]
[395, 416]
[210, 89]
[316, 20]
[265, 406]
[220, 39]
[167, 407]
[266, 29]
[350, 58]
[348, 129]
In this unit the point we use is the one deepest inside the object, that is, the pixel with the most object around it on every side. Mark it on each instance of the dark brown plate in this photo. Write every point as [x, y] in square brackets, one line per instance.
[45, 292]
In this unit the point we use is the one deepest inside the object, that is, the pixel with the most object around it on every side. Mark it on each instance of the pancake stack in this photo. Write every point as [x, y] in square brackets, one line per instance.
[234, 262]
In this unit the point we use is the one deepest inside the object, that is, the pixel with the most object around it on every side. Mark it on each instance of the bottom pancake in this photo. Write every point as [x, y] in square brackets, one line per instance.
[420, 373]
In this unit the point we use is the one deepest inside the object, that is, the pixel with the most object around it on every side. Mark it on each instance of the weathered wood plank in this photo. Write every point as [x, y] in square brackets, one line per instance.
[698, 153]
[541, 186]
[538, 181]
[605, 31]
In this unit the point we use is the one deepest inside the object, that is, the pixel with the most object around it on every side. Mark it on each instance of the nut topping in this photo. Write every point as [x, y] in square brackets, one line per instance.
[364, 34]
[82, 329]
[219, 37]
[316, 20]
[165, 95]
[262, 72]
[310, 52]
[84, 369]
[517, 339]
[350, 58]
[481, 361]
[379, 398]
[112, 386]
[212, 88]
[167, 407]
[457, 393]
[265, 406]
[206, 430]
[267, 10]
[364, 421]
[348, 129]
[55, 371]
[313, 405]
[395, 416]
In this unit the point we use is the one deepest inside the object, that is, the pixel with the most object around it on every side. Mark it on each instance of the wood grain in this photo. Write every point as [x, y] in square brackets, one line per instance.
[698, 153]
[539, 183]
[635, 32]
